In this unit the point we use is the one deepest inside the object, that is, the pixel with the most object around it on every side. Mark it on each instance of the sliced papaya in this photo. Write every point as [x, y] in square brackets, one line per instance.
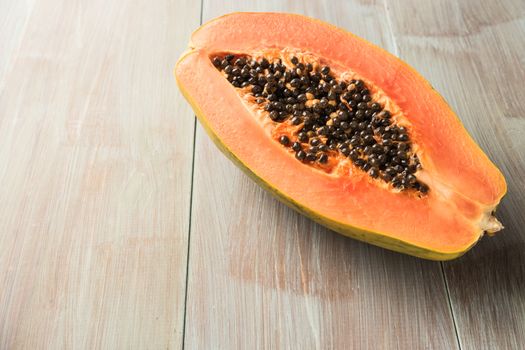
[341, 131]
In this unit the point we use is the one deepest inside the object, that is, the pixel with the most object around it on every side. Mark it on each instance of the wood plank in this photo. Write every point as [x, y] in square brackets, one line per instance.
[263, 277]
[95, 167]
[474, 55]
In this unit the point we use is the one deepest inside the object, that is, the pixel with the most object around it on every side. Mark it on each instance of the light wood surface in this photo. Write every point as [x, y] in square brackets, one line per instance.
[95, 172]
[104, 193]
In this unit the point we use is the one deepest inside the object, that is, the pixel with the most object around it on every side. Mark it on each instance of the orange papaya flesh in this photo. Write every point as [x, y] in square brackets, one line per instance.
[464, 186]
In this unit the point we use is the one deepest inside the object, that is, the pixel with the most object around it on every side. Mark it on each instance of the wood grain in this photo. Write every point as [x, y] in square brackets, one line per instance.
[95, 167]
[476, 56]
[263, 277]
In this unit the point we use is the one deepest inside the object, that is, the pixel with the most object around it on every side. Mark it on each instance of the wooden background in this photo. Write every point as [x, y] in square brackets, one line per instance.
[122, 227]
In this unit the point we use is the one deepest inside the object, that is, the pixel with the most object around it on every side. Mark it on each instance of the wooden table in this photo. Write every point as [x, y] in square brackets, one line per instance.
[122, 226]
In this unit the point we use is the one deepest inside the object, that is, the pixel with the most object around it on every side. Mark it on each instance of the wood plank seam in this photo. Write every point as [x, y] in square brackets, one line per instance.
[454, 322]
[189, 216]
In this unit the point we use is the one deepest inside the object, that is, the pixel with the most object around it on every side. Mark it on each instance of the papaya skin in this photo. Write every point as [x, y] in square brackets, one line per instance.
[376, 238]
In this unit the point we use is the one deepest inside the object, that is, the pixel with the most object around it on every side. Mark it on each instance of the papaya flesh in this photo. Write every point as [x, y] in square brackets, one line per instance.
[447, 189]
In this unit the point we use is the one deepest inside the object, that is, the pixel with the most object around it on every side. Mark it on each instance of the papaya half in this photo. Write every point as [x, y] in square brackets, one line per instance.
[342, 131]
